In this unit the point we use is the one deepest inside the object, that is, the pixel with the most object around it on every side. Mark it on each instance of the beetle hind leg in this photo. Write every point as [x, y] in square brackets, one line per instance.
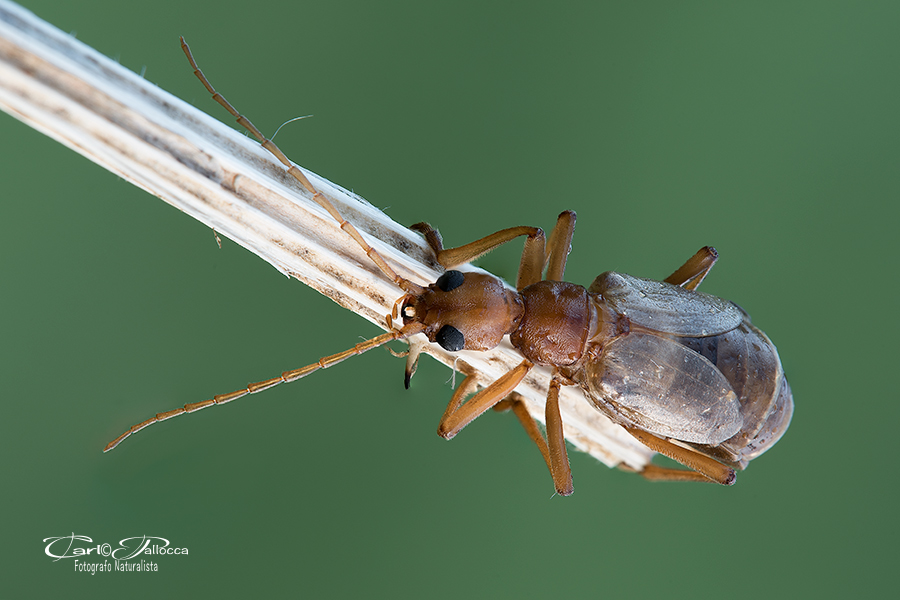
[653, 472]
[706, 468]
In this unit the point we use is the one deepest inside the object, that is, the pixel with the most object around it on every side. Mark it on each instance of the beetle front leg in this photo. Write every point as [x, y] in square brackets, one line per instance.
[464, 389]
[535, 256]
[533, 253]
[456, 417]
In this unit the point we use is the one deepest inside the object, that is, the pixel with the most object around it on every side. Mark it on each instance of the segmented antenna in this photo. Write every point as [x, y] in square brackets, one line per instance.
[407, 286]
[317, 196]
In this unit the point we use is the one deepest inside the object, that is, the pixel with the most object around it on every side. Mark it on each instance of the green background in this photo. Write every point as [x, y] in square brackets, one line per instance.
[769, 130]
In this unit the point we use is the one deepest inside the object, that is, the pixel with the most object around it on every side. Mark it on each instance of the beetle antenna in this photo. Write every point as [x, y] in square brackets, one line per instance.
[318, 197]
[286, 377]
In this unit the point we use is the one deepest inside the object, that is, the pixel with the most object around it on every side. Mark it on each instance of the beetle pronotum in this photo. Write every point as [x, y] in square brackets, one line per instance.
[685, 373]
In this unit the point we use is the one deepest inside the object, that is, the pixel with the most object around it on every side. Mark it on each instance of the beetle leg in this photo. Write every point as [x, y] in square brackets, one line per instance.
[653, 472]
[451, 257]
[456, 417]
[691, 274]
[432, 237]
[556, 441]
[554, 454]
[534, 256]
[709, 468]
[464, 389]
[559, 244]
[514, 402]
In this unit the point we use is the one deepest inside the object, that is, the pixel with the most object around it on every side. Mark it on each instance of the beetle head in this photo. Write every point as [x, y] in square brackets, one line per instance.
[465, 311]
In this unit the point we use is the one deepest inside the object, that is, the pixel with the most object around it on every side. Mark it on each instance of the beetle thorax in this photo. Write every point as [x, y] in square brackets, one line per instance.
[559, 320]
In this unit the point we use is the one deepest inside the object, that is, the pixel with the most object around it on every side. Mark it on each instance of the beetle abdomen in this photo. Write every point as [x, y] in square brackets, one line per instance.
[749, 361]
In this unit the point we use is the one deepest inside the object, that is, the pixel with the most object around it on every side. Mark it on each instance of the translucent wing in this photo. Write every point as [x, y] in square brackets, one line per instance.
[665, 388]
[665, 307]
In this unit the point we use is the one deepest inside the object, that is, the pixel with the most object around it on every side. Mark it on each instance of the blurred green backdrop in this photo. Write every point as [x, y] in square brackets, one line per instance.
[769, 130]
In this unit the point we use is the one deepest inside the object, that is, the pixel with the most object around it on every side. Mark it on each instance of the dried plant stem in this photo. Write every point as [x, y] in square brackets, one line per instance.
[115, 118]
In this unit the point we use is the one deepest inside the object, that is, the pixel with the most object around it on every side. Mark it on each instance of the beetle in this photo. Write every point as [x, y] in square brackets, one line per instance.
[684, 372]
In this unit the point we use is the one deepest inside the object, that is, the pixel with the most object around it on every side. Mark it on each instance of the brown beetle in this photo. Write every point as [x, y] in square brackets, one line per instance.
[684, 372]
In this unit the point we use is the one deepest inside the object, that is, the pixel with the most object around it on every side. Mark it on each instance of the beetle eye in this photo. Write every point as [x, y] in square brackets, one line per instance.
[450, 338]
[450, 280]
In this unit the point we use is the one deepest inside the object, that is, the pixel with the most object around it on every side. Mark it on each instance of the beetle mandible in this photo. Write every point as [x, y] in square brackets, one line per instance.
[686, 373]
